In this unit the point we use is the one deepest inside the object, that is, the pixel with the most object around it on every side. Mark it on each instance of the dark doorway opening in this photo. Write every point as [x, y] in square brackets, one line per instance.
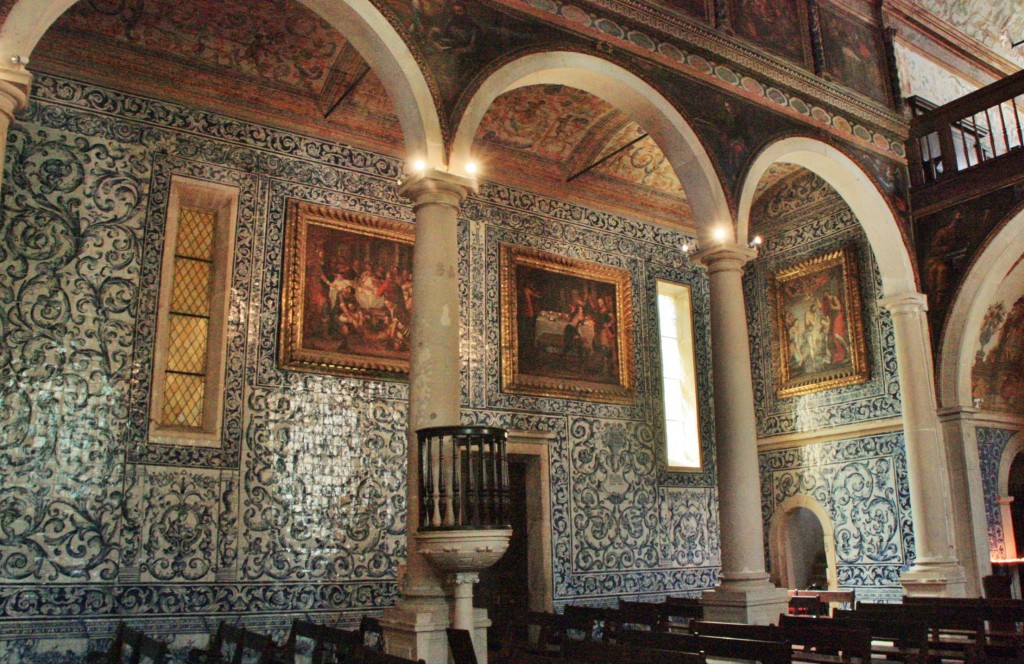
[504, 588]
[1015, 489]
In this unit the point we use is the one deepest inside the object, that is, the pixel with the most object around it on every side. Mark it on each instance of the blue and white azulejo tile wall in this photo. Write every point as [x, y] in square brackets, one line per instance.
[299, 510]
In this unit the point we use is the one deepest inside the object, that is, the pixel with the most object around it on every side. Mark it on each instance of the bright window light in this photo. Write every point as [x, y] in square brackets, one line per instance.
[678, 365]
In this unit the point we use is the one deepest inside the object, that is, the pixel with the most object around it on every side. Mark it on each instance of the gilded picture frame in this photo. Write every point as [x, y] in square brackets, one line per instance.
[818, 337]
[566, 327]
[347, 293]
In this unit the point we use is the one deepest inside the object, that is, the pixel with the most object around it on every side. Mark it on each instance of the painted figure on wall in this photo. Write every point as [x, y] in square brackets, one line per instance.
[998, 375]
[355, 293]
[566, 326]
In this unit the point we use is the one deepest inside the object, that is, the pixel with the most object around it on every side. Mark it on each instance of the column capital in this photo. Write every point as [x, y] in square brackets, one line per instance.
[15, 85]
[908, 302]
[728, 256]
[438, 187]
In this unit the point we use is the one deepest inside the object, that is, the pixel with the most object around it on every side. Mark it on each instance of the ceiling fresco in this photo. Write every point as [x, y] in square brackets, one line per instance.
[275, 61]
[984, 20]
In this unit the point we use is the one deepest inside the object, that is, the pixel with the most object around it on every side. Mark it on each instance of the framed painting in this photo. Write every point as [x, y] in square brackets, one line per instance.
[566, 327]
[853, 53]
[781, 26]
[818, 339]
[347, 293]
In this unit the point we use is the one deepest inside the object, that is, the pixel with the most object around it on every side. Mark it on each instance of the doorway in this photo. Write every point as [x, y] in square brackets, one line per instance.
[504, 588]
[802, 546]
[1015, 490]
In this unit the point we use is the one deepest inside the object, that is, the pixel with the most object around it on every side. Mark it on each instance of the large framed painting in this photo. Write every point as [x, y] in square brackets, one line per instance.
[566, 327]
[818, 338]
[780, 26]
[347, 293]
[853, 53]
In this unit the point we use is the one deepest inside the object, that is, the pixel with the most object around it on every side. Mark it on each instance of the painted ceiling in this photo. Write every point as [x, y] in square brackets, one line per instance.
[275, 61]
[994, 23]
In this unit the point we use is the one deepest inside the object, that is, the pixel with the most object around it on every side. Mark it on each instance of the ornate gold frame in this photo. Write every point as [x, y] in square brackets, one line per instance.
[858, 371]
[292, 354]
[512, 380]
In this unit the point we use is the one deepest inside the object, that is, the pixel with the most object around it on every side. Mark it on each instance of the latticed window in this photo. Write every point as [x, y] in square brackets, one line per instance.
[679, 376]
[189, 320]
[193, 305]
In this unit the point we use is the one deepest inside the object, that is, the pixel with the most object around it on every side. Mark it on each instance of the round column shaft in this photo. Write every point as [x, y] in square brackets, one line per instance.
[14, 87]
[739, 485]
[434, 382]
[936, 570]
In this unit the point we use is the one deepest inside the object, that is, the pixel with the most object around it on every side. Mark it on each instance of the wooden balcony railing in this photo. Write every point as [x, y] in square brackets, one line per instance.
[967, 134]
[463, 478]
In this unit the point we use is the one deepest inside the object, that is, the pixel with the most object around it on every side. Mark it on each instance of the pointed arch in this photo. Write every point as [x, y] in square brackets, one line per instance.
[856, 188]
[629, 94]
[962, 333]
[358, 20]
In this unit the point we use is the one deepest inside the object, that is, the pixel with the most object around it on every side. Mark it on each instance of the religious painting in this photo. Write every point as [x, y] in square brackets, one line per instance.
[818, 340]
[997, 378]
[347, 293]
[853, 53]
[781, 26]
[566, 327]
[701, 10]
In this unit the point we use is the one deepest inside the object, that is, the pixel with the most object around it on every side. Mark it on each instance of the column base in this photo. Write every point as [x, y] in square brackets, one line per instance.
[414, 629]
[938, 579]
[751, 603]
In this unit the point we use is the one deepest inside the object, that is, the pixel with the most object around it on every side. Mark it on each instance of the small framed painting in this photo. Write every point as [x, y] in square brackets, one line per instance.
[347, 293]
[566, 327]
[818, 338]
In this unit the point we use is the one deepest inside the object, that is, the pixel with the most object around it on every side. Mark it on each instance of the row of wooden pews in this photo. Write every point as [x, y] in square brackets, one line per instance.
[919, 631]
[306, 643]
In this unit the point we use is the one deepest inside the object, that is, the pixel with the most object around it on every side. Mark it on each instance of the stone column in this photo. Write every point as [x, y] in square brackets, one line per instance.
[970, 523]
[744, 593]
[936, 570]
[14, 87]
[415, 628]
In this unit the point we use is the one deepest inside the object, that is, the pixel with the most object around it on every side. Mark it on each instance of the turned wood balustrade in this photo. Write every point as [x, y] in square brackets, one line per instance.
[974, 141]
[463, 478]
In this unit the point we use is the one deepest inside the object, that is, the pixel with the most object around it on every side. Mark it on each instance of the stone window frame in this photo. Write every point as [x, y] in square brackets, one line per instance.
[222, 200]
[673, 289]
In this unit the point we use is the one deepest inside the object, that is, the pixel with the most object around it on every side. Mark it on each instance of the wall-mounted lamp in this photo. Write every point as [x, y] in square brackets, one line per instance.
[690, 247]
[471, 168]
[19, 59]
[755, 242]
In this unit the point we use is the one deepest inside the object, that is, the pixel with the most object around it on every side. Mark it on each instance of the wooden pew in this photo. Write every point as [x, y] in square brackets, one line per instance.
[593, 652]
[542, 634]
[904, 639]
[317, 644]
[766, 652]
[231, 644]
[131, 646]
[822, 640]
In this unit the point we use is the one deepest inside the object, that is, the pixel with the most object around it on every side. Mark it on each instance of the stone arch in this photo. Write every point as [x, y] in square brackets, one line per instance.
[1014, 446]
[855, 187]
[358, 20]
[777, 537]
[963, 324]
[629, 94]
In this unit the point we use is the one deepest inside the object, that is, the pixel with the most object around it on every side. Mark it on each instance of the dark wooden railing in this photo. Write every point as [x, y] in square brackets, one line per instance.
[463, 478]
[968, 133]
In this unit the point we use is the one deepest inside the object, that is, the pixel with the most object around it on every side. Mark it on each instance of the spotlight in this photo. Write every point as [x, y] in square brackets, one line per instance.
[755, 242]
[419, 165]
[689, 247]
[471, 168]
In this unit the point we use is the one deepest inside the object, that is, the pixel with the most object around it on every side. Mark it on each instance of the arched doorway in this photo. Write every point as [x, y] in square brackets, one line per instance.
[801, 545]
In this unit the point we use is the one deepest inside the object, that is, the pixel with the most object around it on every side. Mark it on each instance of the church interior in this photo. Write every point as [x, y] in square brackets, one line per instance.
[737, 286]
